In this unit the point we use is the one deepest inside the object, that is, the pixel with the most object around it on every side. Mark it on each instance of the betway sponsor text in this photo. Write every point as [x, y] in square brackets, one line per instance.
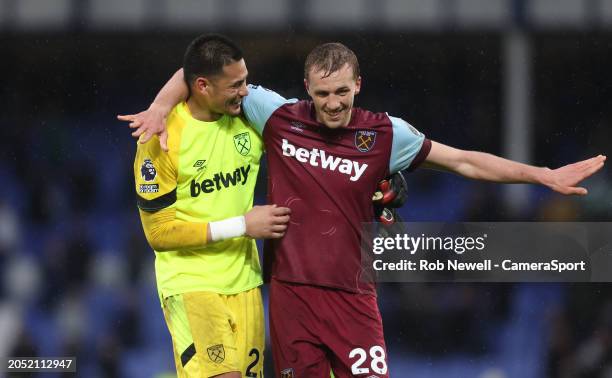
[319, 158]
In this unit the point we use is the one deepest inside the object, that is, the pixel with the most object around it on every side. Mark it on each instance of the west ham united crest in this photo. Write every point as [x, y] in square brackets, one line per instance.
[147, 170]
[242, 142]
[216, 353]
[287, 373]
[364, 140]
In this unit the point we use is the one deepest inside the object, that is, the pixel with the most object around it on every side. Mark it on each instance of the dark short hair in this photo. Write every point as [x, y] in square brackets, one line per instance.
[207, 54]
[330, 57]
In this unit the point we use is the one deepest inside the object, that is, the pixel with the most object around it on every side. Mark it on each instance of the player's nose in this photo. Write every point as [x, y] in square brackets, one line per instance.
[244, 90]
[333, 104]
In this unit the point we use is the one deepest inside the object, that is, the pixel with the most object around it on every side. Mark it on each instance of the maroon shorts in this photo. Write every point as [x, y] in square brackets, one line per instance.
[315, 330]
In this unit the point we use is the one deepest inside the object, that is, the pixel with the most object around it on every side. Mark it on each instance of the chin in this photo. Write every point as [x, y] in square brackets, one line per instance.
[335, 124]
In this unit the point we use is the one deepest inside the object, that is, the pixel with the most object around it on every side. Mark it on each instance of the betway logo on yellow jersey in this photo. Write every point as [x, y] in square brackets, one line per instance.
[319, 158]
[221, 180]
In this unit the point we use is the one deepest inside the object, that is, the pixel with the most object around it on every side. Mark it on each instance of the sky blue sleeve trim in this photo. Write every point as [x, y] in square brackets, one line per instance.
[407, 142]
[259, 105]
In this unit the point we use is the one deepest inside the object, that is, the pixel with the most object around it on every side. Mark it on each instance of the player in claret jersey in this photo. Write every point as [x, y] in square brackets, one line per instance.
[325, 158]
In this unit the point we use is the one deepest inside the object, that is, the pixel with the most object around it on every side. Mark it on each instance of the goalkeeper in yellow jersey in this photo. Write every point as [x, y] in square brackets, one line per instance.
[195, 203]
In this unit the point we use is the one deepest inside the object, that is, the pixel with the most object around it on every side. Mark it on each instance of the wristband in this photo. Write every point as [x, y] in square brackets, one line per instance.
[227, 228]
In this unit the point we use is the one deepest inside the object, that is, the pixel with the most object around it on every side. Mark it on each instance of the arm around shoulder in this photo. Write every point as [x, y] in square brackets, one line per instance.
[153, 120]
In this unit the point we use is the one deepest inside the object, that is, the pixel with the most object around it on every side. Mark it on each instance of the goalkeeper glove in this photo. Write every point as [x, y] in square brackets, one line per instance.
[391, 194]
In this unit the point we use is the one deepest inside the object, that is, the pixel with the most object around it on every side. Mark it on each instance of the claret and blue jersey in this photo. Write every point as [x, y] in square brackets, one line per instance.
[327, 177]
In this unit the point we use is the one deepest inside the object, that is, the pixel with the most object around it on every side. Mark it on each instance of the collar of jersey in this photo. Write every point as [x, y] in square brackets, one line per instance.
[184, 112]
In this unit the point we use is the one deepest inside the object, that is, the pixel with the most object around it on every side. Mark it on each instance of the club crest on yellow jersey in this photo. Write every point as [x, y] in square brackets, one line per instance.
[242, 142]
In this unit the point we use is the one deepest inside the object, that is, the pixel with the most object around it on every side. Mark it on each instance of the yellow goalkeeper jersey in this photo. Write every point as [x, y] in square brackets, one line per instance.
[208, 174]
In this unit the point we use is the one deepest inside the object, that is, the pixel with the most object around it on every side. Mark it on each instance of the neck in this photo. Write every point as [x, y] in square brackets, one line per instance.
[200, 110]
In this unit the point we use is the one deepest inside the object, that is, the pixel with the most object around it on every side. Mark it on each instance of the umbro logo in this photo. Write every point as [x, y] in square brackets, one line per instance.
[297, 126]
[200, 164]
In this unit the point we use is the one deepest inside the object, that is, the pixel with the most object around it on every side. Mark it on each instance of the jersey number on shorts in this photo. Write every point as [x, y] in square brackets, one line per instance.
[378, 364]
[249, 373]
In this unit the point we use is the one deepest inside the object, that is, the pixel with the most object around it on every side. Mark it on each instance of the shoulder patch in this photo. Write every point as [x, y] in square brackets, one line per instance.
[147, 170]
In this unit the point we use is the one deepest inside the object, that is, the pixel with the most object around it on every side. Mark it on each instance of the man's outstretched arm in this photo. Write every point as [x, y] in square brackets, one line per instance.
[153, 120]
[488, 167]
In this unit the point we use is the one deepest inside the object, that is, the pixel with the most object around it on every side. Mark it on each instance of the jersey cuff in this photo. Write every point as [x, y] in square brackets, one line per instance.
[421, 156]
[156, 204]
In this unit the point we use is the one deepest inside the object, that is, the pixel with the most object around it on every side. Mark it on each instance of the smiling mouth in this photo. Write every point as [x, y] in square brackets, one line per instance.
[334, 115]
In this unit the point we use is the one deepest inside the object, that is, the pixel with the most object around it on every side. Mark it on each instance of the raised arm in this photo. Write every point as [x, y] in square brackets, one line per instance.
[488, 167]
[152, 121]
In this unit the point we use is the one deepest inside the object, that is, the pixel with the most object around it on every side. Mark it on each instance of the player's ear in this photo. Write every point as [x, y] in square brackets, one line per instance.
[306, 85]
[201, 84]
[358, 85]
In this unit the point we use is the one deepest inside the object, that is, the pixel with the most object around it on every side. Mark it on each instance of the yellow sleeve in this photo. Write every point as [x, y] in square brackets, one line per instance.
[166, 233]
[155, 176]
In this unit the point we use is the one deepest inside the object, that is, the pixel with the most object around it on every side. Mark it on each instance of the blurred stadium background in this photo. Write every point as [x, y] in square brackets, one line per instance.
[530, 80]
